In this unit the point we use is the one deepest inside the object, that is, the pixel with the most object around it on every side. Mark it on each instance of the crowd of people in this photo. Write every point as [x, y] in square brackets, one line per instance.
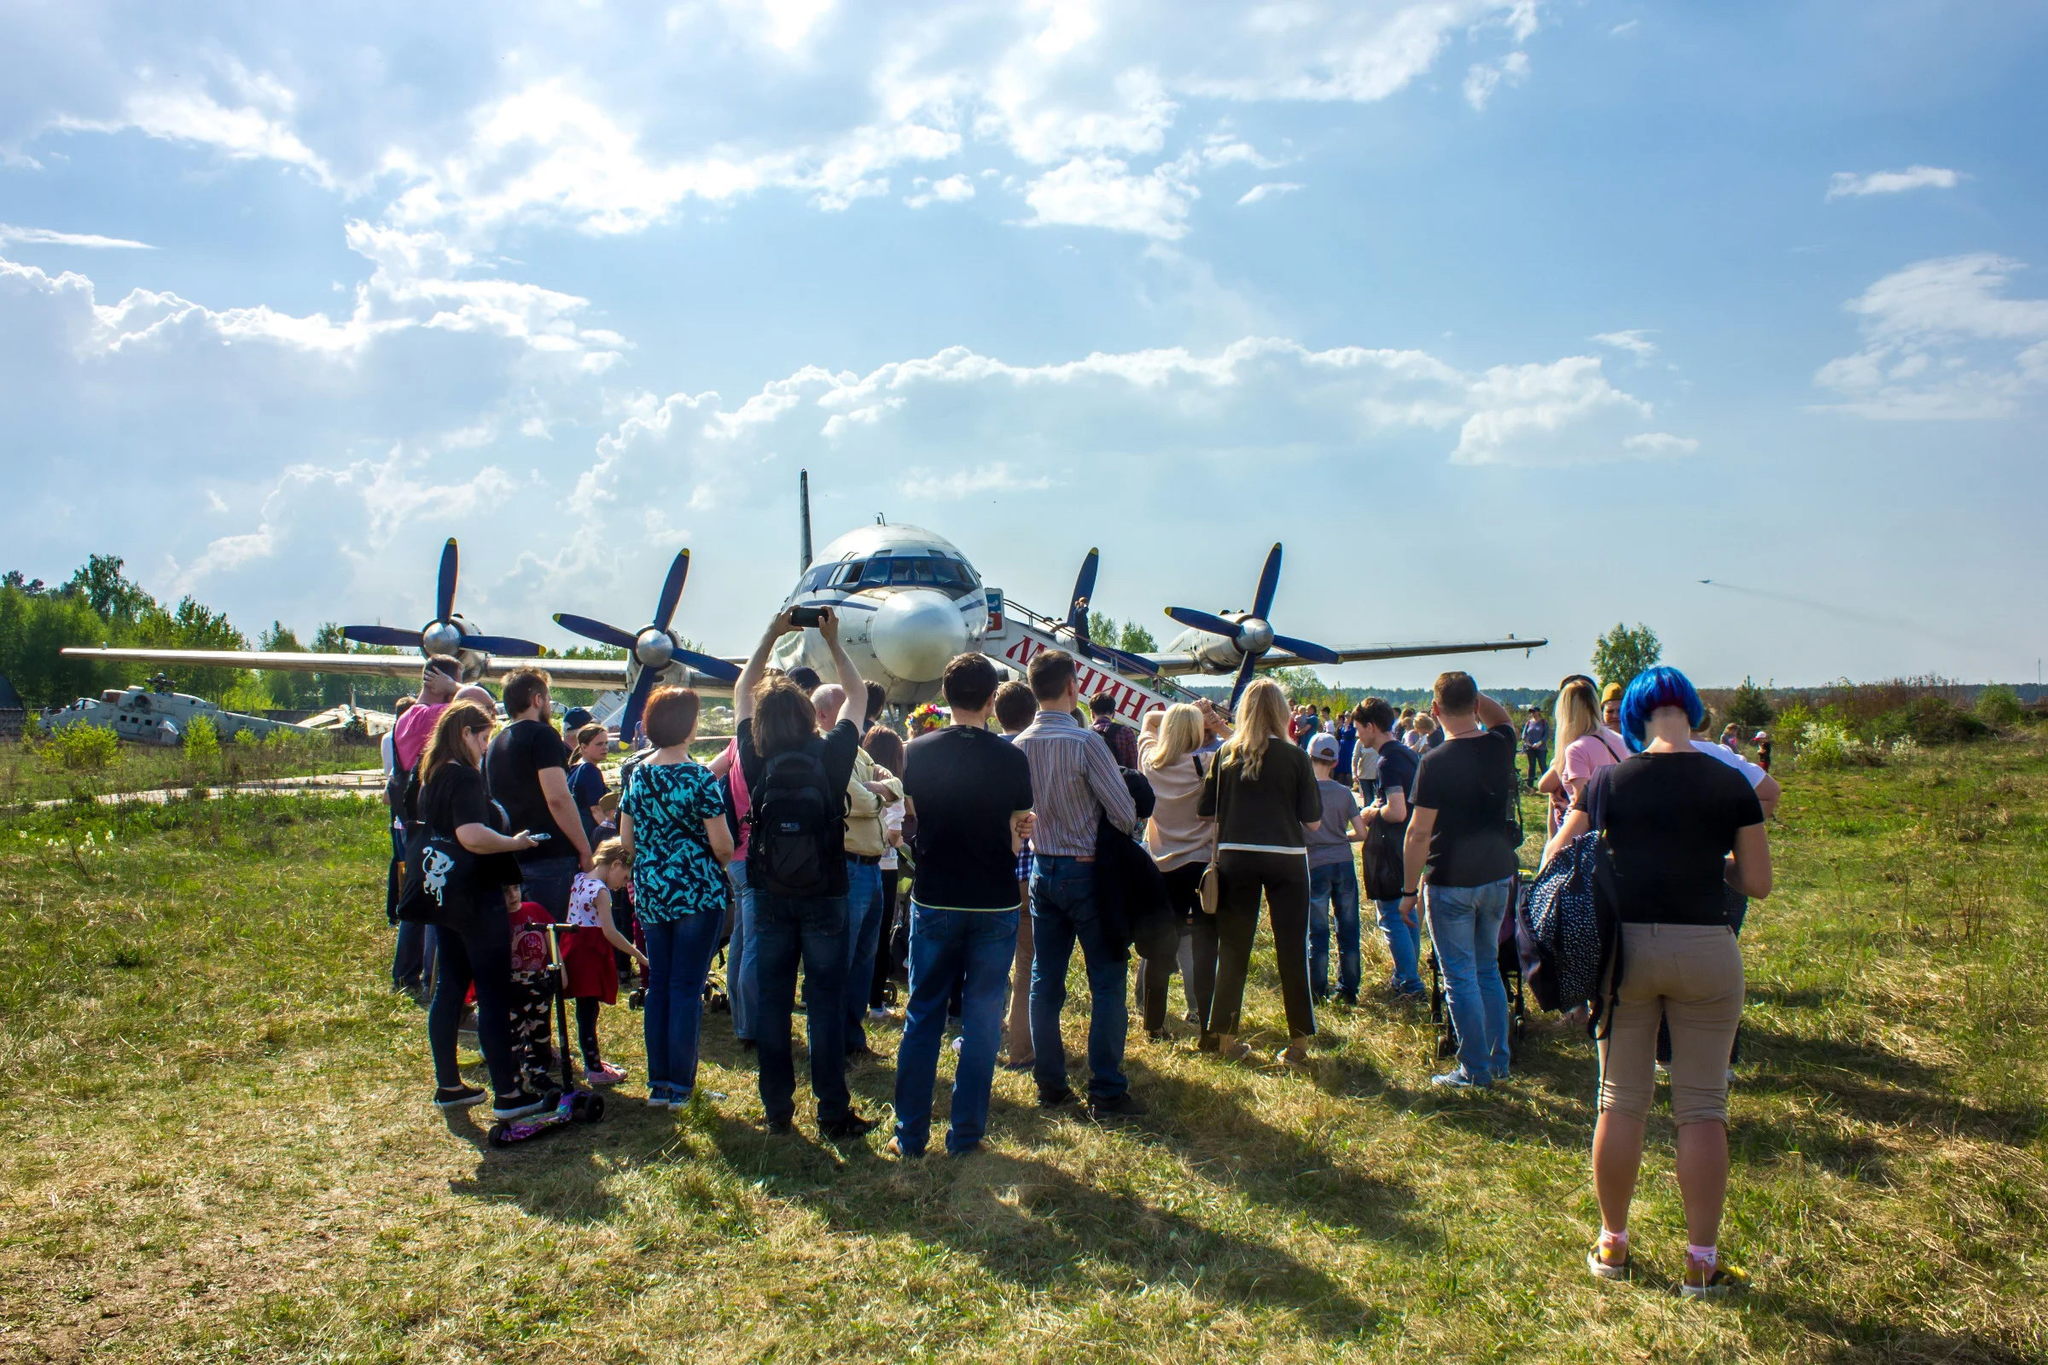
[1028, 829]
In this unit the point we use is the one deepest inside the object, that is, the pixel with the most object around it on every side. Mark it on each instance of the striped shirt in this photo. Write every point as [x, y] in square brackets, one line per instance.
[1073, 777]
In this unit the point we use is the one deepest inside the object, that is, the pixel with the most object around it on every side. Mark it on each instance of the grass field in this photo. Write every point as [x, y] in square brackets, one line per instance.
[219, 1147]
[26, 775]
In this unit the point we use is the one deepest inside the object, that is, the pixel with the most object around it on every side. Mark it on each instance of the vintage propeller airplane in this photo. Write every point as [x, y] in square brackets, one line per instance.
[908, 601]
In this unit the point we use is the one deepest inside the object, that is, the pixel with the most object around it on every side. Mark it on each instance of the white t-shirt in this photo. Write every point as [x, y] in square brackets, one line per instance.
[892, 823]
[1734, 760]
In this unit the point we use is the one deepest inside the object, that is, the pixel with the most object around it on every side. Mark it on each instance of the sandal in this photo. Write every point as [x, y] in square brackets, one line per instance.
[1723, 1280]
[1604, 1269]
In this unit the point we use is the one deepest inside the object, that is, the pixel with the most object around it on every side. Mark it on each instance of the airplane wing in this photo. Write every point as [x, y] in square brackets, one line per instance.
[606, 673]
[1179, 663]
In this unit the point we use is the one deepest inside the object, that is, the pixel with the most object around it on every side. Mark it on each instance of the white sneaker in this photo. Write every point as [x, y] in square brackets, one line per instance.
[878, 1015]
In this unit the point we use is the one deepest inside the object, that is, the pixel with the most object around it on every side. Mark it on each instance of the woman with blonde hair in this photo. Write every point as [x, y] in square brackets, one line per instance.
[1180, 840]
[1584, 747]
[1262, 794]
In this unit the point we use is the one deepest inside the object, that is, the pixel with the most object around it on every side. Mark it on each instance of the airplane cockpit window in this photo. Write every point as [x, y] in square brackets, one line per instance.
[816, 577]
[848, 575]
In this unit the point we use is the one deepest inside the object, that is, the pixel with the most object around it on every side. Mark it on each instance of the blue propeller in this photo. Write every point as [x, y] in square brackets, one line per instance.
[1077, 624]
[654, 648]
[444, 634]
[1252, 634]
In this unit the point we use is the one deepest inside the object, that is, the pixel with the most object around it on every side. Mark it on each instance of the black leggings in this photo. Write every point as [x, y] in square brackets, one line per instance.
[885, 956]
[586, 1031]
[1155, 977]
[1283, 879]
[480, 953]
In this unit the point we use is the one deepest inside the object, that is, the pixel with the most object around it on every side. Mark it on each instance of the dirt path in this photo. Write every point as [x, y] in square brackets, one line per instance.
[363, 782]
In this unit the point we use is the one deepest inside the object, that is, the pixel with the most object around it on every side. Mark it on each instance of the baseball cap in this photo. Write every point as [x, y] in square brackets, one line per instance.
[1324, 747]
[575, 718]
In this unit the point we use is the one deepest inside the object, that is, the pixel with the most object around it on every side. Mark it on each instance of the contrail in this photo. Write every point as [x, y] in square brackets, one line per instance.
[1843, 613]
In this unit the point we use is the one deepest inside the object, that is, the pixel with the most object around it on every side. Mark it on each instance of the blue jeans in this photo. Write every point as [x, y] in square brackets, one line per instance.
[970, 949]
[1062, 913]
[1464, 924]
[545, 882]
[1333, 891]
[1404, 945]
[678, 957]
[863, 936]
[812, 931]
[739, 958]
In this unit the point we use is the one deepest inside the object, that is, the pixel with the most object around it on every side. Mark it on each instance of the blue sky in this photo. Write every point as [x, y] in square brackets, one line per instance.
[1505, 317]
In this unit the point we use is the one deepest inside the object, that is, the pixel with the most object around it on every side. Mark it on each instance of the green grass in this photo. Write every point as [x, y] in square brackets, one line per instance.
[26, 775]
[219, 1146]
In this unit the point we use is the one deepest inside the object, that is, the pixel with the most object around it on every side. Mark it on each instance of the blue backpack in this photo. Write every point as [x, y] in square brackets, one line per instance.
[1561, 934]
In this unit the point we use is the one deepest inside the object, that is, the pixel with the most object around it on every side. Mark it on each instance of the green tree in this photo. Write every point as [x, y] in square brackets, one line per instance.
[289, 690]
[1102, 628]
[191, 625]
[108, 591]
[1750, 708]
[1998, 705]
[1622, 653]
[1135, 639]
[34, 627]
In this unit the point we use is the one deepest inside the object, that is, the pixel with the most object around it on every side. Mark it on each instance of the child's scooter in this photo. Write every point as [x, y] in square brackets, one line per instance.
[576, 1105]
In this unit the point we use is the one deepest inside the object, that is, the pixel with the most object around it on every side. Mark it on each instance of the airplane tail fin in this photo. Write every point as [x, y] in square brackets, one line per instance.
[803, 498]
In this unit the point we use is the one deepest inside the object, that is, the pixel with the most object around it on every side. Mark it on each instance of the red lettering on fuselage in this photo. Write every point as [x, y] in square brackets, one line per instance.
[1130, 702]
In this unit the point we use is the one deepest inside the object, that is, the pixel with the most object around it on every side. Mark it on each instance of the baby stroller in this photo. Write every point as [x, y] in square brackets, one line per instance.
[1510, 963]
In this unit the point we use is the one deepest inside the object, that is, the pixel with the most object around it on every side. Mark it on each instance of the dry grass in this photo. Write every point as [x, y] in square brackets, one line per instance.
[220, 1147]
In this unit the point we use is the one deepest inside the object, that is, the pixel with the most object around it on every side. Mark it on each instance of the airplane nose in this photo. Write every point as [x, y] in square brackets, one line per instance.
[916, 634]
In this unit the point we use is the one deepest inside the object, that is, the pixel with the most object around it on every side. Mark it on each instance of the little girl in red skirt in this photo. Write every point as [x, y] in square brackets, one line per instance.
[593, 967]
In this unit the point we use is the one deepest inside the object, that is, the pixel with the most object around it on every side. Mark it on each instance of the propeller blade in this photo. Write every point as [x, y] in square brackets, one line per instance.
[672, 590]
[1084, 593]
[1130, 663]
[636, 701]
[707, 665]
[501, 644]
[594, 630]
[444, 591]
[382, 635]
[1307, 649]
[1244, 680]
[1202, 620]
[1269, 582]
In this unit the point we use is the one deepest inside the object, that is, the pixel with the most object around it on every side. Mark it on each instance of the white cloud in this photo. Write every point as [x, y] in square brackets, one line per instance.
[1101, 191]
[1943, 340]
[1623, 29]
[27, 236]
[1636, 341]
[1564, 412]
[1270, 190]
[187, 114]
[951, 485]
[1482, 80]
[954, 189]
[1660, 444]
[1847, 184]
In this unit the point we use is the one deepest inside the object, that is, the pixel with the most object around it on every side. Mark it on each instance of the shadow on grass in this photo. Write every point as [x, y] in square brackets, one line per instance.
[1878, 1087]
[1030, 1223]
[1869, 1339]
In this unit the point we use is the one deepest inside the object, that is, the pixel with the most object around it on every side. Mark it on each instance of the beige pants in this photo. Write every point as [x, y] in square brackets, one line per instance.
[1690, 975]
[1017, 1032]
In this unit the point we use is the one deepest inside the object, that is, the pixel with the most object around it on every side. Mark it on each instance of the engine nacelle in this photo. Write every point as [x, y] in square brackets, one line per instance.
[1213, 653]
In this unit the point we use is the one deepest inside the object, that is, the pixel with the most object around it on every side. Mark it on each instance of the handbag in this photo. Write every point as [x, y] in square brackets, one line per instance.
[1209, 889]
[440, 875]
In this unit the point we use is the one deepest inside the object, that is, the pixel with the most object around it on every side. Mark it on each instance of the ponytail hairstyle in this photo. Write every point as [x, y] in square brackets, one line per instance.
[583, 737]
[1261, 717]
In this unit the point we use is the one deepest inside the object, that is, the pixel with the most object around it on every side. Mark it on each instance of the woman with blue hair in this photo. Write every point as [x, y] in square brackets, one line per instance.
[1672, 817]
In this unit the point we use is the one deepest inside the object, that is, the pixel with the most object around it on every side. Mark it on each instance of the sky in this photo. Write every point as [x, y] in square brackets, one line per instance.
[1504, 316]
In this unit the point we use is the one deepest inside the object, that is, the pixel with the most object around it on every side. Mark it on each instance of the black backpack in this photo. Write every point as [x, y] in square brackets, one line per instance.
[798, 827]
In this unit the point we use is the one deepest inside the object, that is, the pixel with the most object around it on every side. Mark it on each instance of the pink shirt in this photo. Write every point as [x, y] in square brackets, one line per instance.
[413, 731]
[741, 803]
[1583, 757]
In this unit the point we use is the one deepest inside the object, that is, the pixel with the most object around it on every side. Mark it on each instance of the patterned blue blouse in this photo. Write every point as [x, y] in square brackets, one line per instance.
[674, 872]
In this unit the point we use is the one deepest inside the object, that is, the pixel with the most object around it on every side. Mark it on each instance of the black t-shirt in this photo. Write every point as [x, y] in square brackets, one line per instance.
[1670, 820]
[1269, 812]
[456, 797]
[1471, 785]
[513, 766]
[965, 784]
[834, 753]
[1397, 769]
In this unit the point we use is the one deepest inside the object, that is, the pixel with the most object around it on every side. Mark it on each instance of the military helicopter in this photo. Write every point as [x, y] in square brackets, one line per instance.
[154, 714]
[908, 601]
